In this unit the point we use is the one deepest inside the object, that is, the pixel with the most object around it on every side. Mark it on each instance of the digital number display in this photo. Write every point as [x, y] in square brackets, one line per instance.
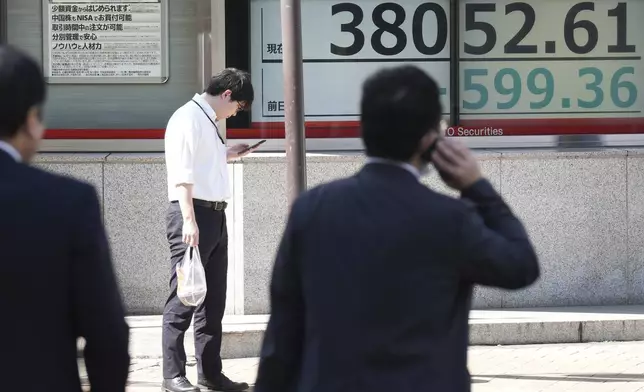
[394, 28]
[572, 23]
[533, 89]
[343, 42]
[551, 59]
[519, 61]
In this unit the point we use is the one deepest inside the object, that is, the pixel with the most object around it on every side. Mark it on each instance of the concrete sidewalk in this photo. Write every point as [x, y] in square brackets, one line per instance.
[243, 334]
[589, 367]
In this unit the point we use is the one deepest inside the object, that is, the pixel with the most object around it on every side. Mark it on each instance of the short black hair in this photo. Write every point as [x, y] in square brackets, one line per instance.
[399, 106]
[235, 80]
[22, 87]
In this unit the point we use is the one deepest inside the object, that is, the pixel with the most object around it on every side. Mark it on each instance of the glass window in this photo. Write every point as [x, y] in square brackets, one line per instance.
[88, 51]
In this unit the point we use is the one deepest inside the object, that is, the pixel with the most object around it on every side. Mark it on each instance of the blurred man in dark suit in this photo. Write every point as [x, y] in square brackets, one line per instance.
[56, 279]
[373, 280]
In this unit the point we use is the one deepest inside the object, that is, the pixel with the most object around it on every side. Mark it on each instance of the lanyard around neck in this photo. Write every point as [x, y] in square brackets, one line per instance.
[210, 119]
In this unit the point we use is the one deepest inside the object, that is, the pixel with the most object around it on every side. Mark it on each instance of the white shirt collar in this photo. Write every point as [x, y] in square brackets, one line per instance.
[199, 98]
[11, 150]
[410, 168]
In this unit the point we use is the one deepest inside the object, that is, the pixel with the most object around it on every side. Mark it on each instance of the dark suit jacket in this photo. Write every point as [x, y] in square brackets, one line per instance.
[372, 284]
[56, 284]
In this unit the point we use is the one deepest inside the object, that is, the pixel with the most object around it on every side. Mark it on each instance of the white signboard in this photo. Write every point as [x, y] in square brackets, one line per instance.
[106, 41]
[525, 67]
[344, 42]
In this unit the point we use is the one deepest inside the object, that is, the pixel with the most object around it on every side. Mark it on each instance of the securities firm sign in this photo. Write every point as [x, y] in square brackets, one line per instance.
[105, 41]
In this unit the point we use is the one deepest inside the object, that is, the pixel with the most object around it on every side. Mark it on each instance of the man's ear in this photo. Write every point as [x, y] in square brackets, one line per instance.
[33, 123]
[227, 94]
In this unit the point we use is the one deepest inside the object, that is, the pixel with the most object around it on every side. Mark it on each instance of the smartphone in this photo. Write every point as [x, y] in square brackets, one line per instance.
[427, 157]
[253, 146]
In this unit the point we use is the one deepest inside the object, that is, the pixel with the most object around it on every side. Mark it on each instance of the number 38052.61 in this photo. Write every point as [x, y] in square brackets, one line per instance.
[571, 24]
[393, 28]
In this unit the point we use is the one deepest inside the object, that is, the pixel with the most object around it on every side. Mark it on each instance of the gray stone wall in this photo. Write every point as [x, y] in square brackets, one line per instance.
[583, 210]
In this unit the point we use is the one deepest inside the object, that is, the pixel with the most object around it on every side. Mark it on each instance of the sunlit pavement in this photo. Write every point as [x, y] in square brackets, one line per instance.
[547, 368]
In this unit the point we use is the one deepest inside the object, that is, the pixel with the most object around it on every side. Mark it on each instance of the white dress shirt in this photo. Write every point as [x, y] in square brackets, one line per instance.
[195, 154]
[11, 150]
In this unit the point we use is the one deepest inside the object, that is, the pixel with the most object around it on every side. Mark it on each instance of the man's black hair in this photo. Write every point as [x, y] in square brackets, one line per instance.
[235, 80]
[22, 87]
[399, 106]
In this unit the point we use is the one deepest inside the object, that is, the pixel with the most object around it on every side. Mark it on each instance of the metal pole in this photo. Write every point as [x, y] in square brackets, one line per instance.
[293, 98]
[455, 63]
[3, 22]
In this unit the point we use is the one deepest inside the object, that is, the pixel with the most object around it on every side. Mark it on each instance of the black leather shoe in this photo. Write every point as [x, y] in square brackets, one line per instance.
[179, 384]
[222, 384]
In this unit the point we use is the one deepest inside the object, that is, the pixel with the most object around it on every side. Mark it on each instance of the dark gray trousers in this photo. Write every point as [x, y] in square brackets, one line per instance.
[213, 248]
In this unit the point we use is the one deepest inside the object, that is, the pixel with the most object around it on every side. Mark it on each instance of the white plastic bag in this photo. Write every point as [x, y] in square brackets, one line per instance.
[191, 278]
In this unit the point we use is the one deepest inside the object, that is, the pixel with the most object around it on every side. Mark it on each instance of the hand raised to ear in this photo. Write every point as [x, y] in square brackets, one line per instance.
[456, 164]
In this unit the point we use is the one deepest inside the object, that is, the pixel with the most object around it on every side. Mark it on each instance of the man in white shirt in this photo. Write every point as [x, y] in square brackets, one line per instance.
[198, 186]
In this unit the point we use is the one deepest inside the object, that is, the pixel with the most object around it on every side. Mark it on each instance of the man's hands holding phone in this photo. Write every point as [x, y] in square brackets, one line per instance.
[456, 164]
[241, 150]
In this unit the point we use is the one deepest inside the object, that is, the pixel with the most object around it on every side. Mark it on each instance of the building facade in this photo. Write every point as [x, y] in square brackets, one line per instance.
[518, 78]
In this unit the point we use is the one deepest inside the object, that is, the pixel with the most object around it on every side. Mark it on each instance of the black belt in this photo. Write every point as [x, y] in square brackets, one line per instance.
[213, 205]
